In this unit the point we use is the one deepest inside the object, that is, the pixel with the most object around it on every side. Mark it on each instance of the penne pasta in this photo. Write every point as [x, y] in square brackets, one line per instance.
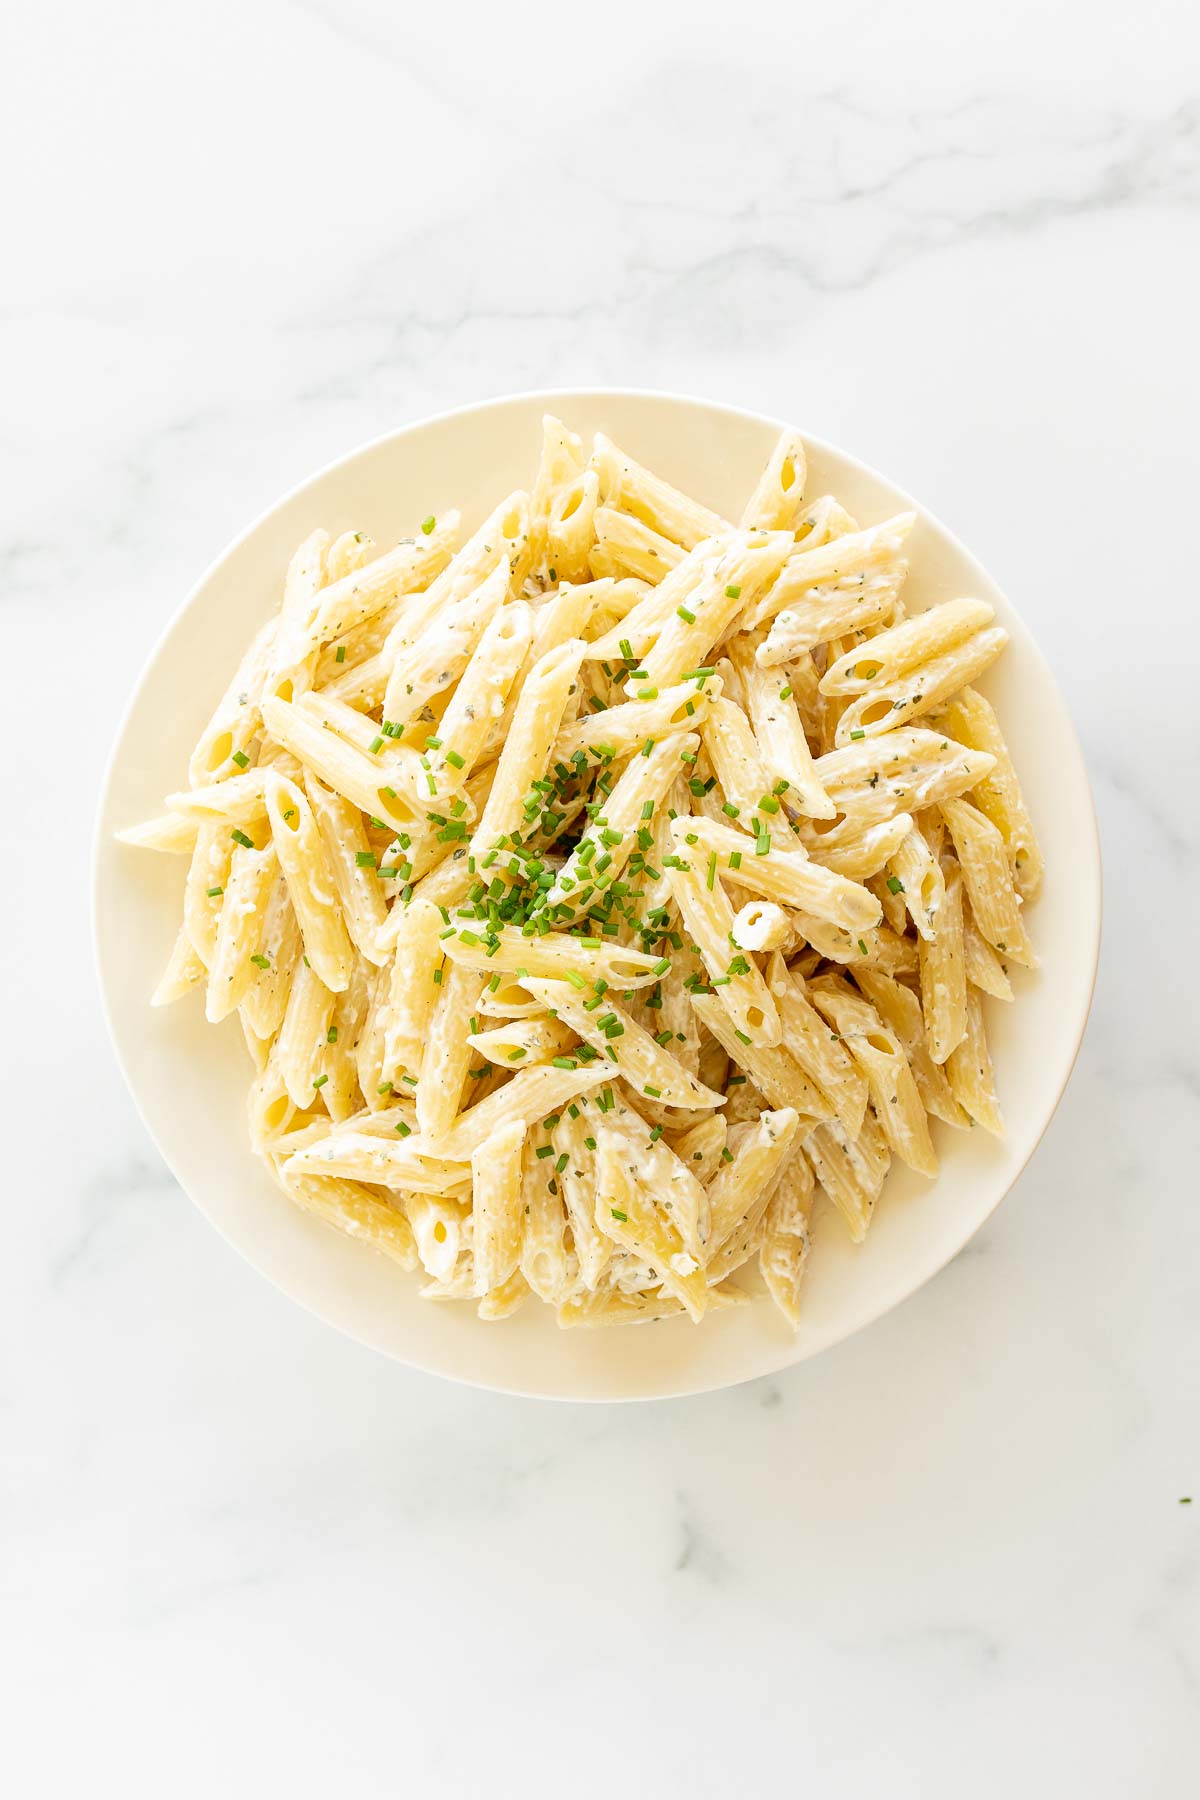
[880, 1055]
[303, 1036]
[355, 866]
[524, 1041]
[915, 878]
[944, 976]
[446, 1055]
[309, 881]
[779, 492]
[772, 1068]
[593, 890]
[174, 833]
[531, 1094]
[895, 653]
[478, 701]
[626, 484]
[355, 1211]
[633, 547]
[784, 874]
[611, 1031]
[742, 1185]
[779, 732]
[544, 1261]
[884, 707]
[901, 1009]
[708, 916]
[817, 1048]
[740, 568]
[969, 1070]
[184, 971]
[626, 1213]
[856, 604]
[239, 930]
[413, 986]
[838, 558]
[699, 1148]
[987, 877]
[970, 720]
[575, 1169]
[851, 1171]
[784, 1242]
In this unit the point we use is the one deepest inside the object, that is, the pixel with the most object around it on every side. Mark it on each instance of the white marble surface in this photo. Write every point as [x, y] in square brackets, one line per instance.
[949, 1558]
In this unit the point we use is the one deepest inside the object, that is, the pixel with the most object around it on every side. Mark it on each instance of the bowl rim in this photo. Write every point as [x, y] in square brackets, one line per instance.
[552, 398]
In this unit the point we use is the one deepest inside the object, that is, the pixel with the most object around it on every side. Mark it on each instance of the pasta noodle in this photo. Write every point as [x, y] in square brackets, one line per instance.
[595, 891]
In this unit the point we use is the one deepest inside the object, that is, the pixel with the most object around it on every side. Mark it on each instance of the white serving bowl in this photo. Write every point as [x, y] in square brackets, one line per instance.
[189, 1079]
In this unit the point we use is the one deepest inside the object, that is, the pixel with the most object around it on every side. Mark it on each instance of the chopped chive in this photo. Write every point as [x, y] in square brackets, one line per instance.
[730, 810]
[858, 734]
[455, 760]
[654, 1093]
[726, 1154]
[561, 1163]
[214, 893]
[239, 837]
[241, 759]
[711, 877]
[741, 1037]
[689, 618]
[895, 885]
[768, 804]
[365, 859]
[785, 693]
[331, 1035]
[623, 1217]
[339, 654]
[733, 592]
[563, 1062]
[376, 745]
[428, 524]
[403, 1129]
[862, 947]
[544, 1150]
[262, 962]
[320, 1080]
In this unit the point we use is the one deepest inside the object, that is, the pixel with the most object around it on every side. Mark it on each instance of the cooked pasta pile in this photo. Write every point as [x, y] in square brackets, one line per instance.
[595, 890]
